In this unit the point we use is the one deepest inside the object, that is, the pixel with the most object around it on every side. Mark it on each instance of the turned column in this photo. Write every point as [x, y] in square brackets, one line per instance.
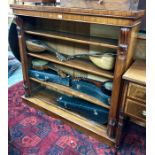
[23, 55]
[120, 67]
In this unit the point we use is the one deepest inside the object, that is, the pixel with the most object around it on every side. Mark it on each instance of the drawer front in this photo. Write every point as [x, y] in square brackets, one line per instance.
[137, 92]
[135, 110]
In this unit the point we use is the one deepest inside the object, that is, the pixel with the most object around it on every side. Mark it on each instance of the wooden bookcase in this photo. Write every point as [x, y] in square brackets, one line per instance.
[31, 21]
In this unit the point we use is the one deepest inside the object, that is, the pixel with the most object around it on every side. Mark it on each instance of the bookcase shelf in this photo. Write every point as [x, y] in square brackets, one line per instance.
[45, 101]
[71, 92]
[86, 66]
[103, 42]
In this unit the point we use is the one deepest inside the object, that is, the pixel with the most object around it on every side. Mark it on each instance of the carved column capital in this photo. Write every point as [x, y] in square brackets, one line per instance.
[19, 25]
[123, 41]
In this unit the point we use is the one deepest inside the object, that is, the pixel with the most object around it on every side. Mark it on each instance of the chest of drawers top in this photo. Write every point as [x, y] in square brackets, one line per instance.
[137, 72]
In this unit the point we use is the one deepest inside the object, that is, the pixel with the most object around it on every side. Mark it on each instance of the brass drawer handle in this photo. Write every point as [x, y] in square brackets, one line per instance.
[144, 113]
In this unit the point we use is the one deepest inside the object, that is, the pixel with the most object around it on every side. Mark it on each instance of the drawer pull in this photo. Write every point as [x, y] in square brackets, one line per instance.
[144, 113]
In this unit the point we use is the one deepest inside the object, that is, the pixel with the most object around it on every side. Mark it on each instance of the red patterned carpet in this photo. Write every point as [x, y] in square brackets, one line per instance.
[35, 133]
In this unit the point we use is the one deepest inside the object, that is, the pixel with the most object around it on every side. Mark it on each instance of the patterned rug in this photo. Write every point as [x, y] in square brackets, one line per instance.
[35, 133]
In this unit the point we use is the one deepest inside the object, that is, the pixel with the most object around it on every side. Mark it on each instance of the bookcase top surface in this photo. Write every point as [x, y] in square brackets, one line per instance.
[131, 14]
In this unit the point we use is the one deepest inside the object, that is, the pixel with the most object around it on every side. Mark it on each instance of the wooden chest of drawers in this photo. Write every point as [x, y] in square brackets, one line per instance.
[134, 105]
[133, 100]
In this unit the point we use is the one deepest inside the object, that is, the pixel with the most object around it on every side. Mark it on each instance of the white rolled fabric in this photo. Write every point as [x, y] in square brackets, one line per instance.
[105, 62]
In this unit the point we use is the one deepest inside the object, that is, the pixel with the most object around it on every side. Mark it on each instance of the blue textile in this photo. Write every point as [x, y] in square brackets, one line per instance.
[14, 70]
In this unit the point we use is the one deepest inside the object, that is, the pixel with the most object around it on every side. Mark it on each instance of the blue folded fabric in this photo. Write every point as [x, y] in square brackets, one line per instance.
[90, 89]
[84, 108]
[49, 76]
[13, 65]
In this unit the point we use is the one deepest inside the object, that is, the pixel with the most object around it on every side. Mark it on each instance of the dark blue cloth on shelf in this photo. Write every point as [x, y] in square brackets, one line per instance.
[90, 89]
[84, 108]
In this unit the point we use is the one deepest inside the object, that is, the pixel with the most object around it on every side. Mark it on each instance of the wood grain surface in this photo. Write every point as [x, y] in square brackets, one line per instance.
[137, 72]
